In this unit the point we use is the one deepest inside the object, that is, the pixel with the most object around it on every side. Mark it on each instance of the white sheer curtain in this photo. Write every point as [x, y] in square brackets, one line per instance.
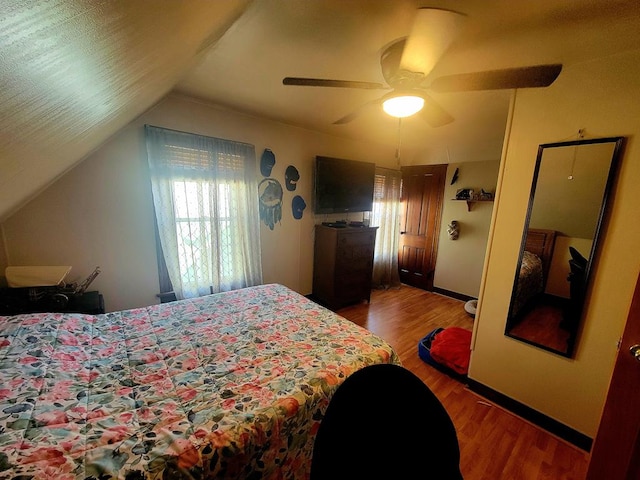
[386, 216]
[205, 194]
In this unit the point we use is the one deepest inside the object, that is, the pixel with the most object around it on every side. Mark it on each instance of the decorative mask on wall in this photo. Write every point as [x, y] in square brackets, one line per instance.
[291, 177]
[453, 229]
[297, 206]
[270, 192]
[267, 161]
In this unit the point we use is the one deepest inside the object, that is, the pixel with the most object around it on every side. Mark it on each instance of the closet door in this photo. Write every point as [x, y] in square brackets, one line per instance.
[616, 448]
[422, 195]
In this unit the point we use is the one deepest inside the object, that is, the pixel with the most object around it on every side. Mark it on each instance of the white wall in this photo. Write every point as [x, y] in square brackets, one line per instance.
[603, 97]
[459, 264]
[100, 213]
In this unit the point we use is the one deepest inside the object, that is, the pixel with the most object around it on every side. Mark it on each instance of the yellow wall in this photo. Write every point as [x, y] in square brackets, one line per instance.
[459, 263]
[571, 207]
[100, 213]
[602, 97]
[3, 259]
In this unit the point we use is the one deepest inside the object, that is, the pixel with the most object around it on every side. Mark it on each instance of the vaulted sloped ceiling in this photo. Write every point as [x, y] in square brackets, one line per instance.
[76, 71]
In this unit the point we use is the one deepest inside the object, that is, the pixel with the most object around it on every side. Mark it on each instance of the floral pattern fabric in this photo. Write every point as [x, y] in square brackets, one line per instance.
[530, 281]
[230, 385]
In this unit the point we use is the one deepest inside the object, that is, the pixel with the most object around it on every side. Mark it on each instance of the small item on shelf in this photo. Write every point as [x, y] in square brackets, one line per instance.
[485, 195]
[470, 195]
[464, 194]
[335, 224]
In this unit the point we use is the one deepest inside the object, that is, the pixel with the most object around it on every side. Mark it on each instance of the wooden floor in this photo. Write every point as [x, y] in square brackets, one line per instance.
[494, 444]
[543, 325]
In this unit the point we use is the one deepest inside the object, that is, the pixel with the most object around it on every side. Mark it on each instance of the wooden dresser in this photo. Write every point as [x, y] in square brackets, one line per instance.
[343, 265]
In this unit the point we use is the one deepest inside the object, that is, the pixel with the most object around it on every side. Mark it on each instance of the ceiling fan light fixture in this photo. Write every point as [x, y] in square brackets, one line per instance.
[403, 105]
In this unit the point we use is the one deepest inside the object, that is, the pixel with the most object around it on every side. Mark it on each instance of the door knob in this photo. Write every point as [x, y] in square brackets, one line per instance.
[635, 351]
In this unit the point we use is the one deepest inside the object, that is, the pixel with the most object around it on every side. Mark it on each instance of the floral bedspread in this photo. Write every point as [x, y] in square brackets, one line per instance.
[530, 281]
[230, 385]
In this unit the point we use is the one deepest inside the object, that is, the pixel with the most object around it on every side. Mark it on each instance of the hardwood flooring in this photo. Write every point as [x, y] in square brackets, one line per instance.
[543, 325]
[494, 443]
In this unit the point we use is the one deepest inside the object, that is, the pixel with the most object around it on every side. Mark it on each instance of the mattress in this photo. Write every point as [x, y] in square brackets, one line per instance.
[231, 385]
[530, 282]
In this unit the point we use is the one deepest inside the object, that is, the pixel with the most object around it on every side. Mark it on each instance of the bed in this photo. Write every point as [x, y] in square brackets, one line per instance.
[534, 269]
[230, 385]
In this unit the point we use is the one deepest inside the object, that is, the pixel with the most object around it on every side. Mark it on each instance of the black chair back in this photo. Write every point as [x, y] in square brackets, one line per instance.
[384, 422]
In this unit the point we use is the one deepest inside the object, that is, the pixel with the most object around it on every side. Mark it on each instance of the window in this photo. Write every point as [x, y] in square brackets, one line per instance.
[385, 215]
[206, 203]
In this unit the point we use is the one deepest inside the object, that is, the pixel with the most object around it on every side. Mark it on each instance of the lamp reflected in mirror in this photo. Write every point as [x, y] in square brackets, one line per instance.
[562, 232]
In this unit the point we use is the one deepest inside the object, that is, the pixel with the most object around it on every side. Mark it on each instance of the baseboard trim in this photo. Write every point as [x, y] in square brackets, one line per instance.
[449, 293]
[552, 426]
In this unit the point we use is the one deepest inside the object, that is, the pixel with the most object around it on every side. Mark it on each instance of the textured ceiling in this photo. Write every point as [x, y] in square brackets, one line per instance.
[76, 71]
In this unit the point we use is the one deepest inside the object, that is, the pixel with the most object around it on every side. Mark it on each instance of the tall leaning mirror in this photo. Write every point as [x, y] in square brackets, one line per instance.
[569, 193]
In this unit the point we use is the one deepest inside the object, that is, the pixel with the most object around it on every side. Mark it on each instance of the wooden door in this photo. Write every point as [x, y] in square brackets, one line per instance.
[616, 449]
[422, 192]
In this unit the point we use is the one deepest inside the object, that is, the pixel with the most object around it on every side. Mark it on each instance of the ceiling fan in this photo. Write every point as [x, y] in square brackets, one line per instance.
[407, 62]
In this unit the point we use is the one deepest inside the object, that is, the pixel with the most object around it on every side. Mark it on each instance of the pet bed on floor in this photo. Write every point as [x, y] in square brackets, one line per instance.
[448, 350]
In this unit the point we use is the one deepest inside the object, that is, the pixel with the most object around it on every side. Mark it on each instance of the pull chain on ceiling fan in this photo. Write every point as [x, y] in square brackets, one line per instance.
[398, 141]
[407, 62]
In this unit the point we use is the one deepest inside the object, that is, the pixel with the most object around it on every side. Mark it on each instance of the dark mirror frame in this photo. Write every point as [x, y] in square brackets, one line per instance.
[580, 268]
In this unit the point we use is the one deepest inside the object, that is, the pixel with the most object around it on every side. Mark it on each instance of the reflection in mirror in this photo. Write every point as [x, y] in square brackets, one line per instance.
[569, 193]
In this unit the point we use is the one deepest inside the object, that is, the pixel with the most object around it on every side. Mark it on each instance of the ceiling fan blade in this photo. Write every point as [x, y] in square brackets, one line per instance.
[522, 77]
[359, 111]
[433, 31]
[433, 113]
[321, 82]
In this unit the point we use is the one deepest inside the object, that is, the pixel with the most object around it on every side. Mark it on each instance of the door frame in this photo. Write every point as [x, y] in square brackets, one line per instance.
[616, 448]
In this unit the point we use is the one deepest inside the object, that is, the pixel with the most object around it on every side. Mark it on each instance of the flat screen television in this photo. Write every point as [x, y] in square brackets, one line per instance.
[343, 185]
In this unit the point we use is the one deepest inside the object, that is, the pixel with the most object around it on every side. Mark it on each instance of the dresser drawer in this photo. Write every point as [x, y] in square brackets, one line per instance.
[343, 263]
[362, 264]
[353, 280]
[358, 238]
[355, 253]
[352, 294]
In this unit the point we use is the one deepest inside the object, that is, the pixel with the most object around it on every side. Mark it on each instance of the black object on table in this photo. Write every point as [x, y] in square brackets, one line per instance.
[15, 301]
